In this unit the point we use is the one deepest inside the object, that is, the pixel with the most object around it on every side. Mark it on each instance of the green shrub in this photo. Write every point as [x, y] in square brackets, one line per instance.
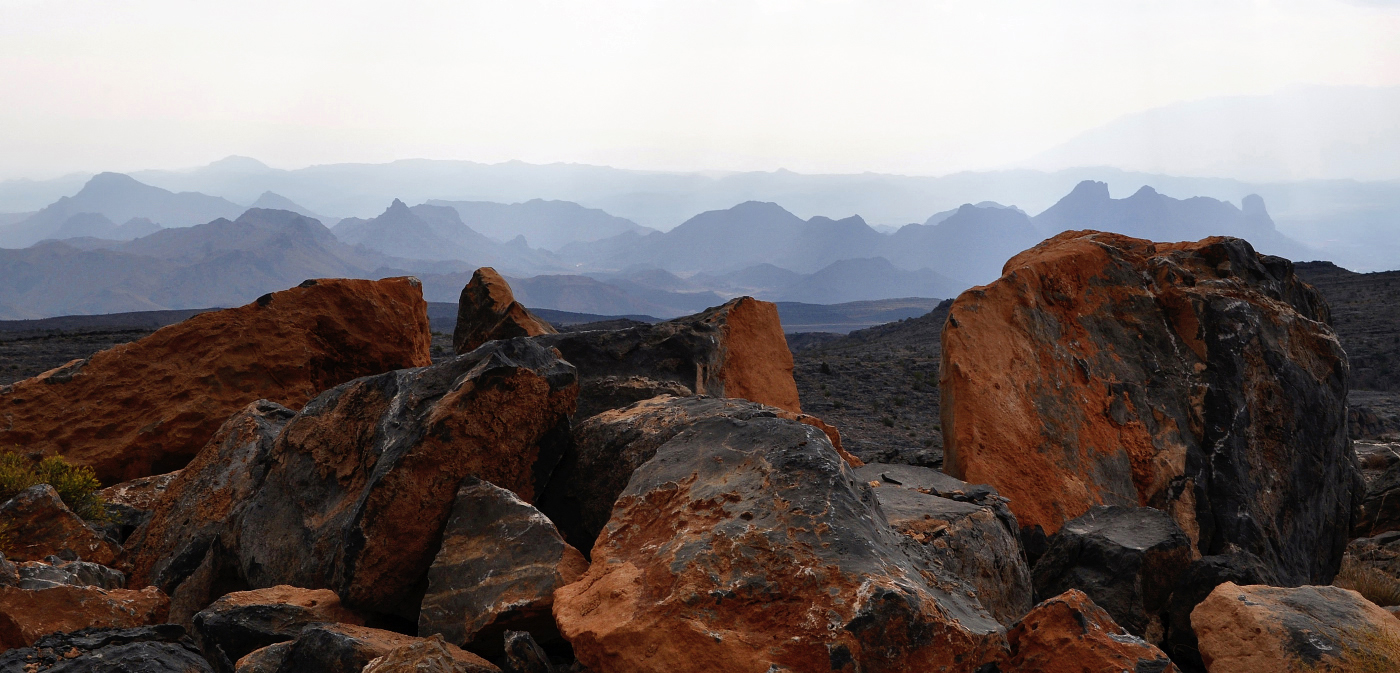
[76, 485]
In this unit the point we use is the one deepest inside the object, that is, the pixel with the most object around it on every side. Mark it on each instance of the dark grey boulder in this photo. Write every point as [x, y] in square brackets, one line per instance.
[1126, 559]
[241, 622]
[164, 648]
[524, 655]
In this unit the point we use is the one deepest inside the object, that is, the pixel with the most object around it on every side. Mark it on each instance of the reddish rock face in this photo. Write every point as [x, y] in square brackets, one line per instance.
[1199, 378]
[1069, 634]
[736, 350]
[487, 310]
[26, 615]
[42, 526]
[749, 545]
[147, 407]
[429, 655]
[1310, 628]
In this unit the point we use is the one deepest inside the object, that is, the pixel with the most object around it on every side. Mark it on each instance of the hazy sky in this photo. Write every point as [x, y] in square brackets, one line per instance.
[923, 87]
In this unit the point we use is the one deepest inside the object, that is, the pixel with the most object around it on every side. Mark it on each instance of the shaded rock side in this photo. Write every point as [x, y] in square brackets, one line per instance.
[129, 503]
[361, 482]
[1199, 378]
[487, 310]
[429, 655]
[40, 525]
[163, 648]
[1126, 559]
[147, 407]
[184, 546]
[1380, 508]
[1308, 628]
[344, 648]
[56, 572]
[969, 532]
[735, 350]
[27, 615]
[1069, 634]
[608, 447]
[243, 621]
[524, 655]
[1193, 586]
[749, 545]
[500, 562]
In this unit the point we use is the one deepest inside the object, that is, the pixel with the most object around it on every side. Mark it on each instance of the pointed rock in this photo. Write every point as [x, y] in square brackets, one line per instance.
[42, 526]
[487, 310]
[1069, 634]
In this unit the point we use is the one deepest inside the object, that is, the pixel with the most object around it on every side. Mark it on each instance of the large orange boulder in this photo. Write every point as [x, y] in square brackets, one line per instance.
[1245, 629]
[1201, 379]
[147, 407]
[487, 310]
[1069, 634]
[40, 526]
[25, 614]
[735, 350]
[748, 545]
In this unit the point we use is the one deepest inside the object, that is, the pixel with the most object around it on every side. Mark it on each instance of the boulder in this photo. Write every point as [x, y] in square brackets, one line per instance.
[1126, 559]
[429, 655]
[735, 350]
[524, 655]
[969, 532]
[1245, 629]
[54, 571]
[360, 483]
[1193, 586]
[9, 574]
[1069, 634]
[1381, 552]
[749, 545]
[163, 648]
[500, 562]
[344, 648]
[183, 547]
[40, 526]
[487, 311]
[1380, 507]
[147, 407]
[26, 615]
[243, 621]
[1201, 379]
[609, 446]
[129, 503]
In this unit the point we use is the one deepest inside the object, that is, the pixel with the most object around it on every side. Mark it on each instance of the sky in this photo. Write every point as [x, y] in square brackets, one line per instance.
[924, 87]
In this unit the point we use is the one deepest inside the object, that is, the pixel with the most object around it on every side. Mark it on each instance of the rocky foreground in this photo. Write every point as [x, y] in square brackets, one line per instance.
[1147, 469]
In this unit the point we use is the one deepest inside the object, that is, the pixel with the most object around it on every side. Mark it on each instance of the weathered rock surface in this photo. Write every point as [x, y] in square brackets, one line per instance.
[429, 655]
[735, 350]
[147, 407]
[487, 310]
[184, 547]
[1308, 628]
[243, 621]
[967, 531]
[524, 655]
[500, 562]
[344, 648]
[609, 446]
[54, 571]
[1381, 552]
[129, 503]
[361, 482]
[1199, 378]
[1126, 559]
[749, 545]
[42, 526]
[163, 648]
[1069, 634]
[1193, 586]
[1380, 508]
[27, 615]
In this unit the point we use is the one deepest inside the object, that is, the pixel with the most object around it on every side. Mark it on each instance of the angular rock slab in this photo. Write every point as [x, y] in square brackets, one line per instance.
[968, 532]
[343, 648]
[1311, 628]
[500, 562]
[42, 526]
[27, 615]
[429, 655]
[361, 482]
[735, 350]
[1199, 378]
[487, 310]
[1126, 559]
[56, 572]
[163, 648]
[609, 446]
[745, 545]
[147, 407]
[243, 621]
[1069, 634]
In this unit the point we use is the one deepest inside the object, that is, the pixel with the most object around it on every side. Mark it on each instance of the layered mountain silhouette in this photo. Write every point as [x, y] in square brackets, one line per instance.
[548, 225]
